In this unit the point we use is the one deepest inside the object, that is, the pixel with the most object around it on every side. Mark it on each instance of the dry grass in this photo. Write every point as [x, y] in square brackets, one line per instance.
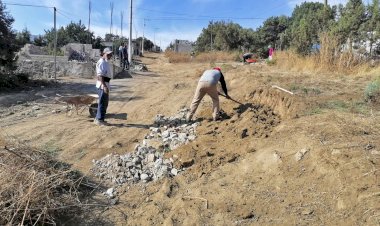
[329, 59]
[34, 188]
[206, 57]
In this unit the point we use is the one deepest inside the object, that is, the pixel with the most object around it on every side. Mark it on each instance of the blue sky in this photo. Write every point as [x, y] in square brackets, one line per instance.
[165, 20]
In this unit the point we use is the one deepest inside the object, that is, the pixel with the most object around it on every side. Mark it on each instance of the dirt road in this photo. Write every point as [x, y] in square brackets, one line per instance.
[306, 159]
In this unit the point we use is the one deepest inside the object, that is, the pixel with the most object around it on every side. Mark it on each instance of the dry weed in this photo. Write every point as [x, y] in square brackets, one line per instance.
[206, 57]
[330, 58]
[34, 188]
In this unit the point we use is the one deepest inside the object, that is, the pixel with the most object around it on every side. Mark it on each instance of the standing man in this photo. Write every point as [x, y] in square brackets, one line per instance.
[208, 85]
[103, 74]
[125, 57]
[120, 52]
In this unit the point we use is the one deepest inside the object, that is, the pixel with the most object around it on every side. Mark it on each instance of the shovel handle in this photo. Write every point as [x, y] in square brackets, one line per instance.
[230, 98]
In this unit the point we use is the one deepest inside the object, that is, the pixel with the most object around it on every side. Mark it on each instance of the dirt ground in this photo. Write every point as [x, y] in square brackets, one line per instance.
[311, 158]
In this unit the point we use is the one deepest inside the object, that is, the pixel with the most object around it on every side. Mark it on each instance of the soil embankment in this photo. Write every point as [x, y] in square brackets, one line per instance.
[311, 158]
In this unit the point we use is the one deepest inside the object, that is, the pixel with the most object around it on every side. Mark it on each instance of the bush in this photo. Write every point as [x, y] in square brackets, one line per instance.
[10, 80]
[372, 91]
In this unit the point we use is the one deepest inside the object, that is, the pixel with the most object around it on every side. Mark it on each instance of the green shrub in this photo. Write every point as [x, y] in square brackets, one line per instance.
[372, 91]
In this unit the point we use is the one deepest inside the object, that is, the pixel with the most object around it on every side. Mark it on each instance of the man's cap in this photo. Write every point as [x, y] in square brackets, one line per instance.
[107, 51]
[217, 68]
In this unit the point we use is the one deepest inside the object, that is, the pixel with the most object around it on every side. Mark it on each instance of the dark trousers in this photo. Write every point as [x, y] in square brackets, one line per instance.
[102, 105]
[125, 63]
[121, 59]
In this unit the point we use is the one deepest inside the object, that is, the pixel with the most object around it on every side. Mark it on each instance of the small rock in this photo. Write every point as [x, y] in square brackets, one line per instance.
[300, 154]
[114, 201]
[307, 212]
[191, 137]
[336, 152]
[110, 192]
[150, 158]
[36, 108]
[277, 157]
[174, 171]
[165, 134]
[244, 134]
[145, 177]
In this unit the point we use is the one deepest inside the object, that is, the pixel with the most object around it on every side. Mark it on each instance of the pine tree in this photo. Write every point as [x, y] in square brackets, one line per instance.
[350, 22]
[7, 38]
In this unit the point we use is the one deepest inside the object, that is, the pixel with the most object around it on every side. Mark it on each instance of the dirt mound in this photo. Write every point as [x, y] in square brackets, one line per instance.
[283, 104]
[256, 120]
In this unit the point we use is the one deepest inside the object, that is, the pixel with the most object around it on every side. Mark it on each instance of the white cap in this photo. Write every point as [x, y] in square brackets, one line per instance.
[107, 51]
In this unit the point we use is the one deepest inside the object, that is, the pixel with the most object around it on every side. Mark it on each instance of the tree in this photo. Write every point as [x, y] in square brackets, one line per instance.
[72, 33]
[272, 29]
[348, 27]
[7, 38]
[307, 21]
[220, 36]
[23, 37]
[97, 43]
[271, 33]
[371, 28]
[148, 44]
[40, 41]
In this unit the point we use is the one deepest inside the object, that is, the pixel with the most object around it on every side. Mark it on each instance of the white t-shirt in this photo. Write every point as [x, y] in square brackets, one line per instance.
[102, 69]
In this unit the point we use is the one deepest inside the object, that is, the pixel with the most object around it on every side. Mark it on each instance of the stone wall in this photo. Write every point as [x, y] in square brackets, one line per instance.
[45, 69]
[35, 61]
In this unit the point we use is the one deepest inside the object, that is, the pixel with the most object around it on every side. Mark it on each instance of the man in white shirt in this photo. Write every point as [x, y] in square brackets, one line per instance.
[103, 74]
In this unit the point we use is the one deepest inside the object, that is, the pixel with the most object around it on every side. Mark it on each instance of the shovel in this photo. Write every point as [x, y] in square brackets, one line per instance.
[242, 107]
[230, 99]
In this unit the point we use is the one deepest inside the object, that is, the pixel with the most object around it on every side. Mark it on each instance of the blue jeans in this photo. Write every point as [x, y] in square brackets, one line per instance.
[102, 105]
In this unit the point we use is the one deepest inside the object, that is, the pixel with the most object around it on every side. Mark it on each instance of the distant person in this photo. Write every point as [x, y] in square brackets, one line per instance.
[120, 52]
[103, 74]
[247, 56]
[208, 85]
[125, 57]
[271, 52]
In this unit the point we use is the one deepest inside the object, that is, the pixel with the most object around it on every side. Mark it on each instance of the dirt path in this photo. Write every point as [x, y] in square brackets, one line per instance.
[309, 159]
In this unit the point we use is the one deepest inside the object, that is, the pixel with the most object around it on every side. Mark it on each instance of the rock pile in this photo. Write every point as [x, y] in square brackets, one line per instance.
[147, 162]
[78, 56]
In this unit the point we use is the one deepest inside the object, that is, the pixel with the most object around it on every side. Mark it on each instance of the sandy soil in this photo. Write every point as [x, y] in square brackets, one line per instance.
[242, 170]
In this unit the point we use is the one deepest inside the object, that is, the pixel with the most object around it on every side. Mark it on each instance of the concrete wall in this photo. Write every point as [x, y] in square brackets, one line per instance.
[183, 46]
[45, 69]
[34, 61]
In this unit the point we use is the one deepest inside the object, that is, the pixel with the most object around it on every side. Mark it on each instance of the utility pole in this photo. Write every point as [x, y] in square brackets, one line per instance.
[130, 36]
[142, 42]
[111, 6]
[55, 43]
[121, 23]
[89, 20]
[211, 36]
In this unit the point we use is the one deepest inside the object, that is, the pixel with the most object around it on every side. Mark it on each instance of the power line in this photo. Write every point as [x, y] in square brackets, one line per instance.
[61, 13]
[29, 5]
[211, 18]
